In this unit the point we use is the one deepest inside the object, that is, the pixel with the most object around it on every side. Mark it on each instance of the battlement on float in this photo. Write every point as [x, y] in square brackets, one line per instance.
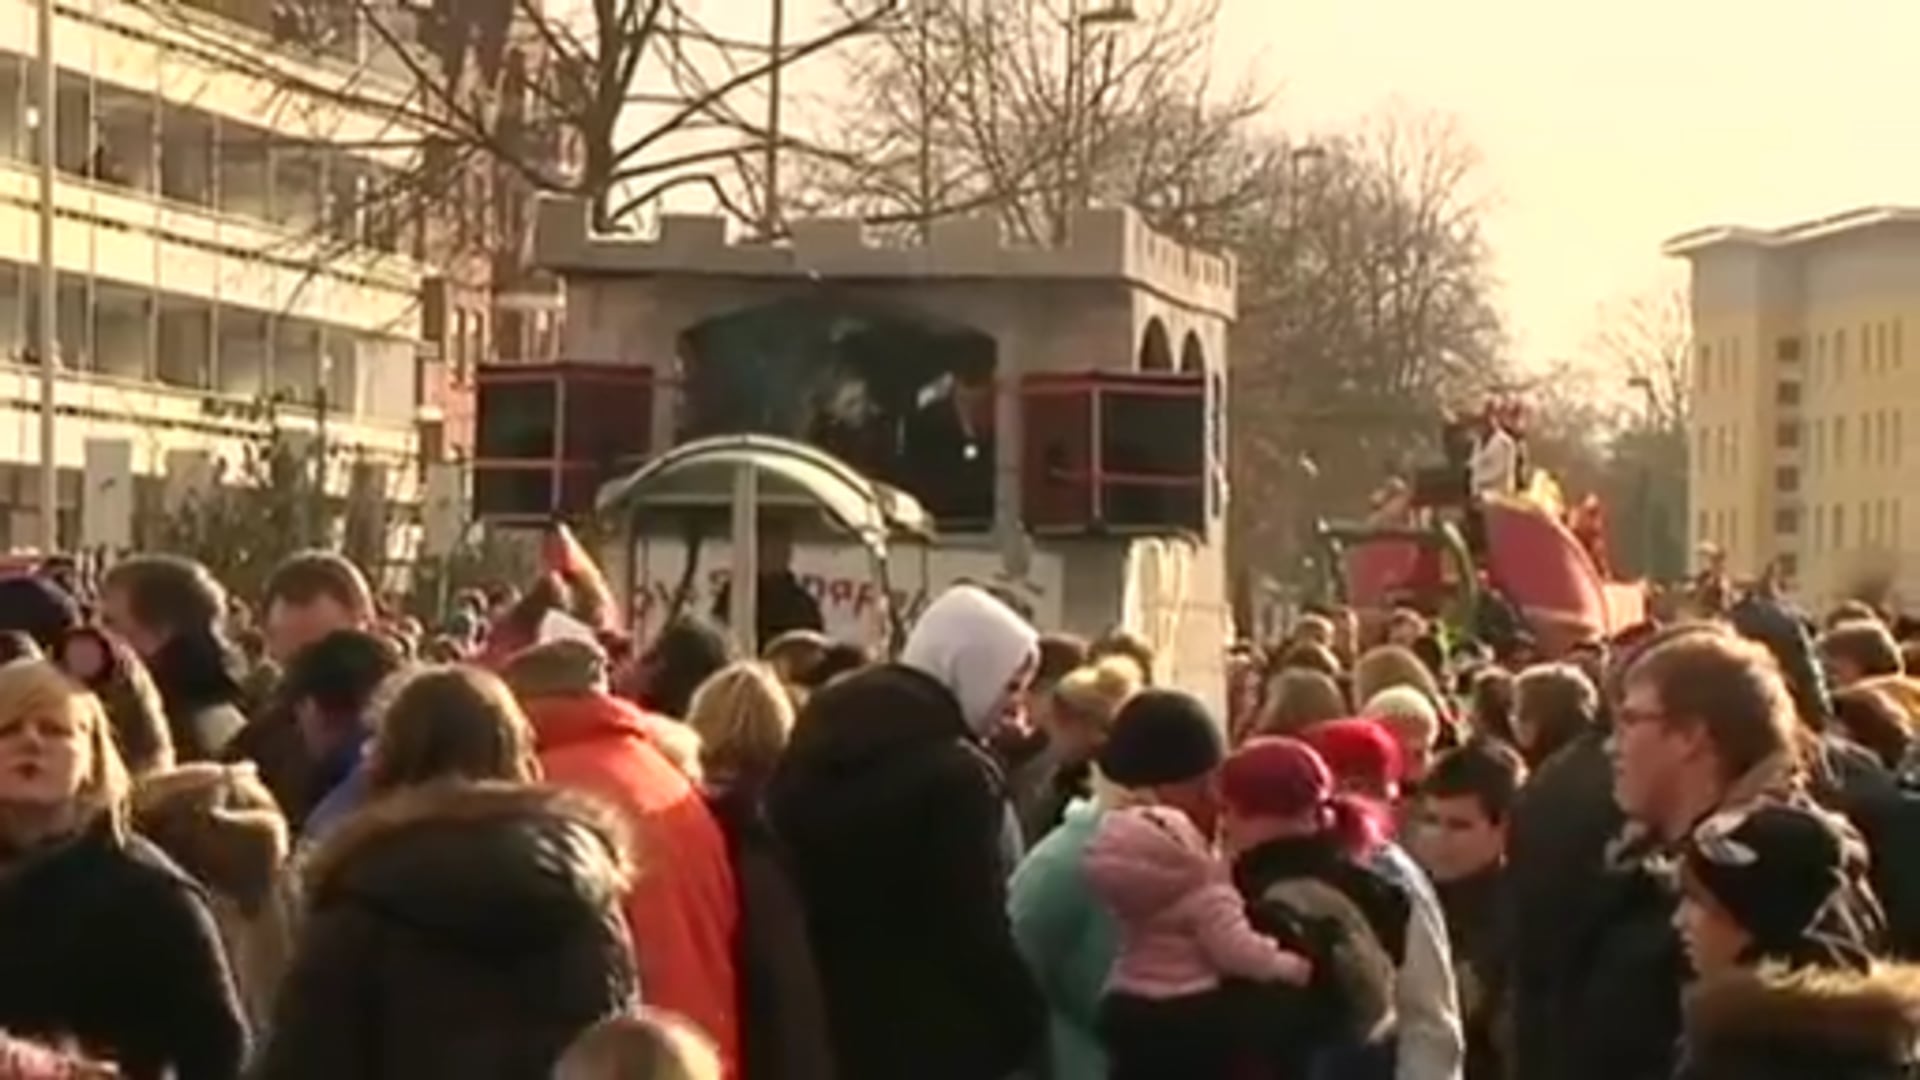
[1105, 244]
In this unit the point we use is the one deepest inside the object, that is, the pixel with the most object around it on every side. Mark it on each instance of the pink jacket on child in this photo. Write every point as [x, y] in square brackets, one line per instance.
[1182, 923]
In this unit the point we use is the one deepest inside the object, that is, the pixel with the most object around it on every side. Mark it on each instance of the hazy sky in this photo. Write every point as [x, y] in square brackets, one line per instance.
[1604, 127]
[1607, 127]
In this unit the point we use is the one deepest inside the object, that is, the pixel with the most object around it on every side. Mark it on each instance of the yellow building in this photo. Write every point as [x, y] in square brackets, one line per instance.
[1802, 382]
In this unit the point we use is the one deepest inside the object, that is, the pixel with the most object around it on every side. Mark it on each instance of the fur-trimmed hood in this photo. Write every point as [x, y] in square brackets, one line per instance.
[487, 867]
[1361, 971]
[1770, 1011]
[220, 823]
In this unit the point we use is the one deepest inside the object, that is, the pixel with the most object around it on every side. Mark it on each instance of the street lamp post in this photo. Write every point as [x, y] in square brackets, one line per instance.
[47, 335]
[1649, 431]
[1307, 508]
[1077, 161]
[776, 47]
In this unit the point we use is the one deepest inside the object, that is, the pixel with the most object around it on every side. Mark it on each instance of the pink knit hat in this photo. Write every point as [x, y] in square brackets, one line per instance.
[1361, 753]
[1275, 776]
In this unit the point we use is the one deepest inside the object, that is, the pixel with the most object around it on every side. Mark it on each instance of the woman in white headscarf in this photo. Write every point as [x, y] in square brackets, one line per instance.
[895, 819]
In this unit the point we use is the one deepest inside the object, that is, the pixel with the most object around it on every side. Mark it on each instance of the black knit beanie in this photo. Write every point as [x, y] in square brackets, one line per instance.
[1161, 737]
[38, 607]
[1774, 869]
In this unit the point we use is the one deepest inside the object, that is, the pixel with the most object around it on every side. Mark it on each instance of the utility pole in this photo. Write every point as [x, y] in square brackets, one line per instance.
[1076, 165]
[314, 529]
[923, 90]
[776, 62]
[1650, 435]
[47, 334]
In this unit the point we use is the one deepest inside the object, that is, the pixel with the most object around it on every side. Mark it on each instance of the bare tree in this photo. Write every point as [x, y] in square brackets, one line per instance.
[1648, 340]
[1366, 301]
[546, 92]
[1638, 390]
[1031, 108]
[1365, 282]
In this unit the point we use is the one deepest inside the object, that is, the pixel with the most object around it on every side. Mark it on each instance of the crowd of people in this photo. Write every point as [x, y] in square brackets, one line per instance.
[327, 842]
[1687, 852]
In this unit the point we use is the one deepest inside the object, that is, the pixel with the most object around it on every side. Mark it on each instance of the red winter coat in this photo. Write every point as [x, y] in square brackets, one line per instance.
[683, 910]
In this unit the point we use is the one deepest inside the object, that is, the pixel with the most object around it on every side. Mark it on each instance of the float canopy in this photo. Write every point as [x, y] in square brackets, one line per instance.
[701, 476]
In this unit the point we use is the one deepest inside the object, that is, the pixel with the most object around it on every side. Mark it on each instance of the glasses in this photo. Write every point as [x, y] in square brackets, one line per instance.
[1628, 716]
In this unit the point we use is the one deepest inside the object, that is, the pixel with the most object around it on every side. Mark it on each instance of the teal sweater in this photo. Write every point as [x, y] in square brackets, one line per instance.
[1068, 940]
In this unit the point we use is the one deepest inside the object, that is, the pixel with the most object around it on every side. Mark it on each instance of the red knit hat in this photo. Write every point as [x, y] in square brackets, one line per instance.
[1361, 753]
[1275, 776]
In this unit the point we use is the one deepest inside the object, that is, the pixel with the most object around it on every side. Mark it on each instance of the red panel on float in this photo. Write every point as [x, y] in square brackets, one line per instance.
[1114, 452]
[550, 434]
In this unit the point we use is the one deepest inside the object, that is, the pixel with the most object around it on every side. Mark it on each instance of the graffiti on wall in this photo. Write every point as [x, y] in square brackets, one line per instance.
[852, 603]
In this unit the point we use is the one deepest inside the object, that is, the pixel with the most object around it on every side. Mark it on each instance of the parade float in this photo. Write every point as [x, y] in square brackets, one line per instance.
[1046, 421]
[1446, 547]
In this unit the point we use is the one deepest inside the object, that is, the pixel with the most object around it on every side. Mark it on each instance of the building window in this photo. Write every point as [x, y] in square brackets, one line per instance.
[1819, 528]
[1787, 350]
[1899, 359]
[1839, 356]
[1786, 479]
[1703, 377]
[1787, 394]
[1840, 441]
[1881, 354]
[1786, 522]
[1786, 434]
[1788, 564]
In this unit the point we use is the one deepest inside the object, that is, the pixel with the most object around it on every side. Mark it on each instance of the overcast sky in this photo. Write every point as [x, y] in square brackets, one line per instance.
[1605, 127]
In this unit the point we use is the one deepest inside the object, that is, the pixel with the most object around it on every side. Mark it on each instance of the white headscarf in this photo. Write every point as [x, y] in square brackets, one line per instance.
[972, 644]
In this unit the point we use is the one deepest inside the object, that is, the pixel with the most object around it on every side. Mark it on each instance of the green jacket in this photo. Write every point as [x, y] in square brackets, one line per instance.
[1068, 941]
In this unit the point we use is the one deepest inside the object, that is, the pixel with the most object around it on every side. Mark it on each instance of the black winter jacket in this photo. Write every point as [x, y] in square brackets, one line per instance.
[783, 1019]
[1556, 879]
[893, 817]
[1623, 1006]
[105, 942]
[198, 677]
[464, 932]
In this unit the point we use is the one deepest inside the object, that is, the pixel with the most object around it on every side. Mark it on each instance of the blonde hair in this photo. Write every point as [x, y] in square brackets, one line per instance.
[1095, 692]
[30, 686]
[1384, 667]
[743, 715]
[651, 1046]
[1297, 699]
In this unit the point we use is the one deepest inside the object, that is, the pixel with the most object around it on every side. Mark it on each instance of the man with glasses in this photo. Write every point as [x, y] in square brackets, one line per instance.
[1703, 725]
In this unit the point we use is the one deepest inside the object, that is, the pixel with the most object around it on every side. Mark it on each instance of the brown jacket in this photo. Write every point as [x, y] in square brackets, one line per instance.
[219, 823]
